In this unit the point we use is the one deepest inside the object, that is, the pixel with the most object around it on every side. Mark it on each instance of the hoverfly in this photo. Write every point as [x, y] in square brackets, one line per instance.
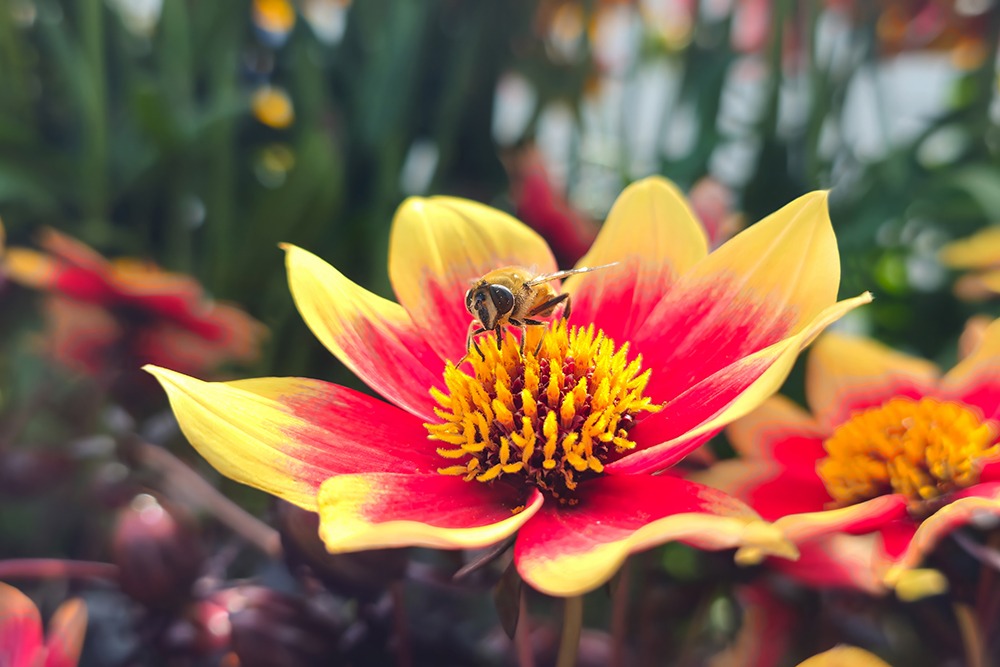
[515, 296]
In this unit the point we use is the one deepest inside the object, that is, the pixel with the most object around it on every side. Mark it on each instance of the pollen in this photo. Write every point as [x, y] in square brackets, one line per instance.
[549, 417]
[922, 449]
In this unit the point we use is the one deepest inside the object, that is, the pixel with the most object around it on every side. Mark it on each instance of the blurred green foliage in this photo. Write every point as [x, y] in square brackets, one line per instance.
[143, 141]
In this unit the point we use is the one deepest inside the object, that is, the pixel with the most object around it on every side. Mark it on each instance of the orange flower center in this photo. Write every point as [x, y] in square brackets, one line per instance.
[923, 449]
[548, 419]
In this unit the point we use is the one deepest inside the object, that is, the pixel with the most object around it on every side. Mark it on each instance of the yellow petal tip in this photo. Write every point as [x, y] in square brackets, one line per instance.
[915, 584]
[760, 540]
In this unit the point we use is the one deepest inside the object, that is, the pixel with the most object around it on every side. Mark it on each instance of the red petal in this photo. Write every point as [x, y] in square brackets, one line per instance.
[372, 336]
[771, 489]
[80, 336]
[65, 637]
[569, 550]
[974, 380]
[286, 436]
[20, 629]
[907, 548]
[762, 286]
[845, 374]
[727, 395]
[779, 430]
[374, 511]
[865, 517]
[835, 561]
[652, 236]
[438, 247]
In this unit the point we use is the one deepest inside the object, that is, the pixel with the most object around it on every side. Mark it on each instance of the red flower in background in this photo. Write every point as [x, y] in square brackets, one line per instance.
[541, 204]
[21, 641]
[894, 458]
[108, 317]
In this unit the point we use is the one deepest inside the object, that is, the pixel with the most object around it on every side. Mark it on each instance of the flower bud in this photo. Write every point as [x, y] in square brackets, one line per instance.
[157, 551]
[272, 629]
[201, 629]
[364, 574]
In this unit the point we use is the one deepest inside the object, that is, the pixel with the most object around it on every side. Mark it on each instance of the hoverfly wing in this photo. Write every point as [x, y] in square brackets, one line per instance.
[547, 277]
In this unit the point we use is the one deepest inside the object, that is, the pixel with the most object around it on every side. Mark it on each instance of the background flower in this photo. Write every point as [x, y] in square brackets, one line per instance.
[107, 318]
[21, 640]
[893, 458]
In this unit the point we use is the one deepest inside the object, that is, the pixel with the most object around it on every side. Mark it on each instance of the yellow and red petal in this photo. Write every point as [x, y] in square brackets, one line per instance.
[229, 335]
[80, 336]
[975, 381]
[730, 393]
[372, 336]
[865, 517]
[20, 628]
[653, 237]
[286, 436]
[145, 286]
[770, 488]
[440, 245]
[64, 639]
[384, 510]
[981, 250]
[779, 430]
[31, 268]
[835, 561]
[845, 374]
[566, 551]
[68, 266]
[905, 548]
[71, 251]
[765, 284]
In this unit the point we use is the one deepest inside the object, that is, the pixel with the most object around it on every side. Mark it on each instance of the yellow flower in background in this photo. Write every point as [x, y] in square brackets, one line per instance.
[273, 107]
[980, 255]
[275, 20]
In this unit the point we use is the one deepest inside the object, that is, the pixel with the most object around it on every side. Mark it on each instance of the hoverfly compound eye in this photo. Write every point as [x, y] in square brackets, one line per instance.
[468, 300]
[503, 298]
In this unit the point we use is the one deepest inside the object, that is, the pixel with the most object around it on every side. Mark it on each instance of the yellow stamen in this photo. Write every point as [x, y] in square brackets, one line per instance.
[923, 449]
[550, 420]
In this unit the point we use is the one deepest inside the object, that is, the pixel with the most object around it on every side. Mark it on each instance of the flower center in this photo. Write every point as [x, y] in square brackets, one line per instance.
[548, 419]
[922, 449]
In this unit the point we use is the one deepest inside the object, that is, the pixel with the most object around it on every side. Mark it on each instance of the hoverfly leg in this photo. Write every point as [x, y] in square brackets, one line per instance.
[534, 323]
[469, 340]
[566, 308]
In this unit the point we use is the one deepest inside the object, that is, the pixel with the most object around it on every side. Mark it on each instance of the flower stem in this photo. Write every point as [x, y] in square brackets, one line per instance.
[972, 637]
[55, 568]
[183, 482]
[404, 657]
[569, 643]
[619, 616]
[522, 637]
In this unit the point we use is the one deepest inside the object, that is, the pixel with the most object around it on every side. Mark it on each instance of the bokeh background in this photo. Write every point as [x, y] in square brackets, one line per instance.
[200, 134]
